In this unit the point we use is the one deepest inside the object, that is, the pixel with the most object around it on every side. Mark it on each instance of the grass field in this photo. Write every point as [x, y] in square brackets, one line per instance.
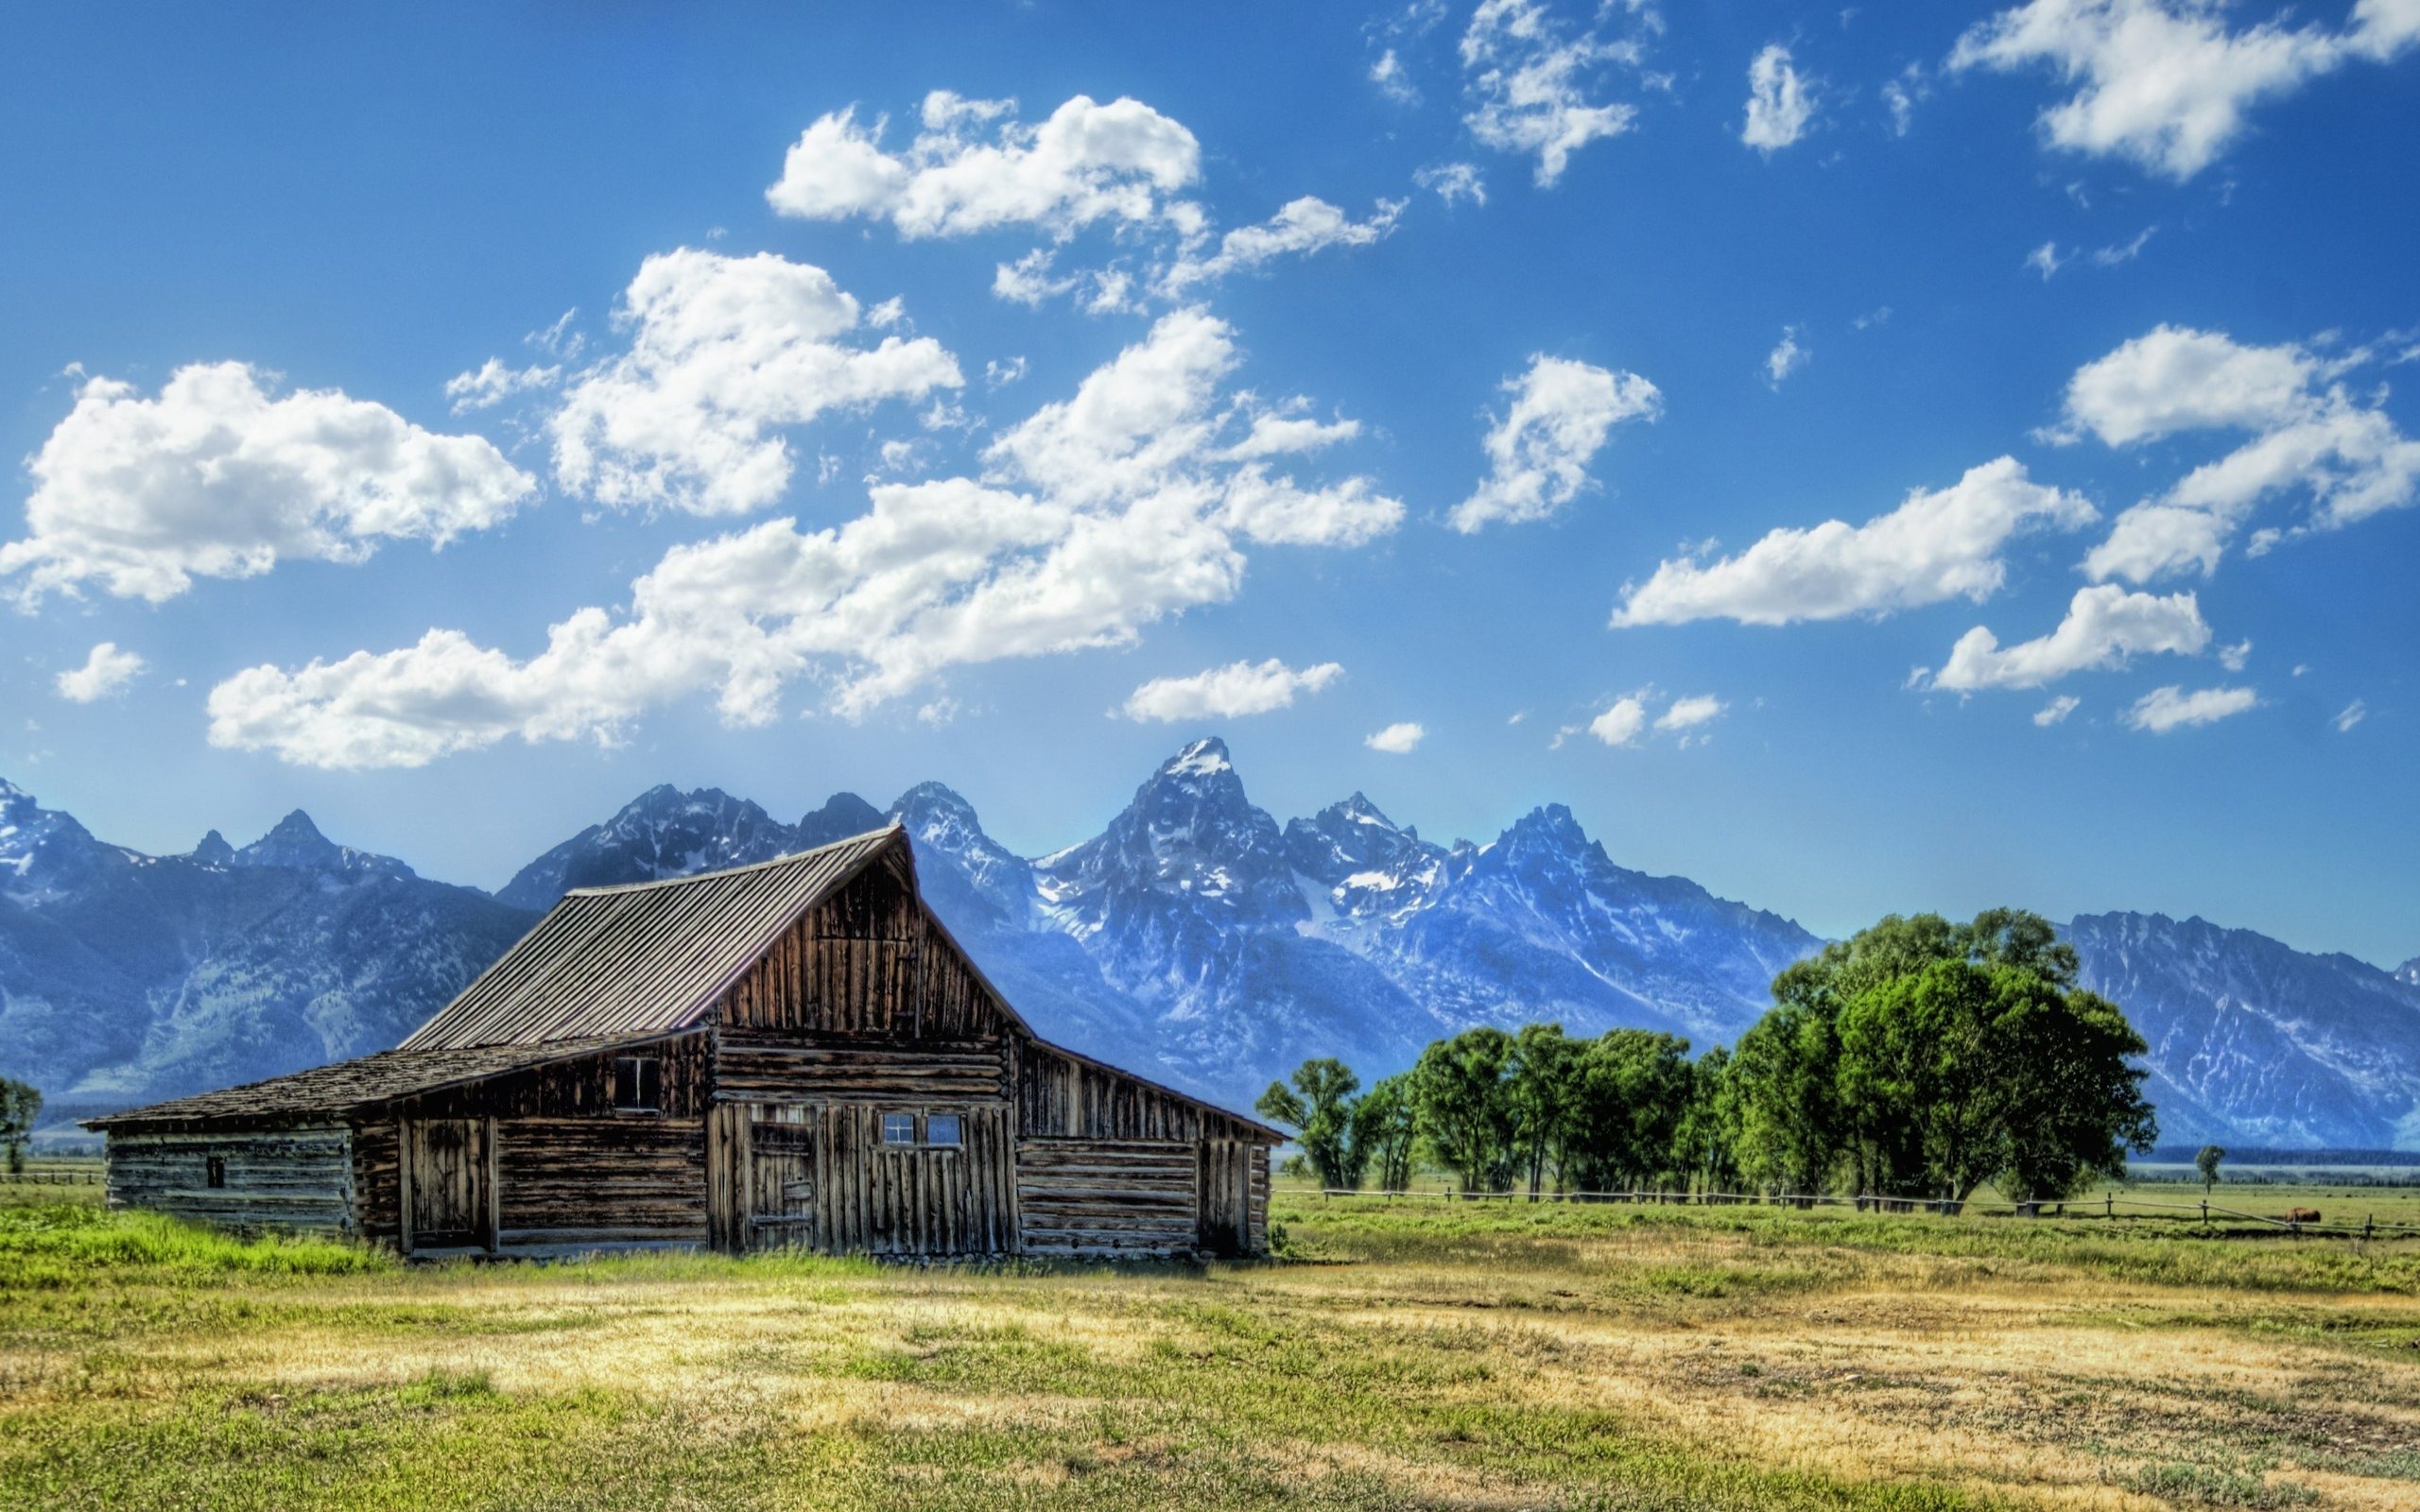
[1416, 1355]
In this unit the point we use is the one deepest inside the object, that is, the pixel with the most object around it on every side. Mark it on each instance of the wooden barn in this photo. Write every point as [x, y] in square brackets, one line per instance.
[788, 1053]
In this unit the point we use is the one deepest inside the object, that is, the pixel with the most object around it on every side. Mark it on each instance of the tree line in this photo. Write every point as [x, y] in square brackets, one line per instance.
[1920, 1059]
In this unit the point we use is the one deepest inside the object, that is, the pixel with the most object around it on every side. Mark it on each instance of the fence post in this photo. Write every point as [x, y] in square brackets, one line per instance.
[2109, 1204]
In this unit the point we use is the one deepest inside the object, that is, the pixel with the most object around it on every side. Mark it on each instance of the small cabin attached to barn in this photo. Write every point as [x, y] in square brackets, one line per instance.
[792, 1054]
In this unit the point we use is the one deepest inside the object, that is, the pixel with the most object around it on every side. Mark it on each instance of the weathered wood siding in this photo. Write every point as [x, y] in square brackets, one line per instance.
[869, 964]
[378, 1183]
[296, 1179]
[576, 1088]
[600, 1181]
[1117, 1199]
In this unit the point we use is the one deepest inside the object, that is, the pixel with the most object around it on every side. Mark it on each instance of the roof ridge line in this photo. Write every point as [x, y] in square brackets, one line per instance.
[732, 871]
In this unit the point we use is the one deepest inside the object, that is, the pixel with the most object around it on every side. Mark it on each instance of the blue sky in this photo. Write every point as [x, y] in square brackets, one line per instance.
[1632, 399]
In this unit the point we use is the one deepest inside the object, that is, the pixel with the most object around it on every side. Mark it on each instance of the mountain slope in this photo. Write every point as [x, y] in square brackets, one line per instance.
[2257, 1043]
[124, 977]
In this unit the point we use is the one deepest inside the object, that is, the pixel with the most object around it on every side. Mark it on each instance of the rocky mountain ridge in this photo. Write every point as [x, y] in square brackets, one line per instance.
[1195, 938]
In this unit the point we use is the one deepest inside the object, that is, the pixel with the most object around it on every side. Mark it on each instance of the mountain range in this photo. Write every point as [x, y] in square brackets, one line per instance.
[1195, 938]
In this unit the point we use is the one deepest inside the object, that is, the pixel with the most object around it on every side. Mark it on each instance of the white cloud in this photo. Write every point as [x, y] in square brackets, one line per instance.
[1301, 227]
[723, 352]
[1540, 449]
[2124, 252]
[1275, 434]
[2354, 713]
[2046, 260]
[1230, 692]
[1451, 181]
[1394, 80]
[1529, 81]
[2102, 628]
[1622, 723]
[2166, 83]
[2057, 710]
[2171, 708]
[215, 478]
[492, 383]
[1094, 517]
[1787, 357]
[2308, 433]
[973, 167]
[1902, 94]
[1688, 715]
[1397, 740]
[1939, 544]
[2233, 657]
[1780, 107]
[106, 671]
[1001, 374]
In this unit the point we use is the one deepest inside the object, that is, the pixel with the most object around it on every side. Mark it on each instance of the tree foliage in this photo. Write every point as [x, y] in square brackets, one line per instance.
[20, 1105]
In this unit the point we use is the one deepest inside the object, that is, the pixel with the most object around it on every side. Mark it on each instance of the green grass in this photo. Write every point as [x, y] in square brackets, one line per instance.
[1421, 1355]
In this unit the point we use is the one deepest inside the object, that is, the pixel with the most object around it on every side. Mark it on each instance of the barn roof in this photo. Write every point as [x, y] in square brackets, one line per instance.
[329, 1092]
[626, 962]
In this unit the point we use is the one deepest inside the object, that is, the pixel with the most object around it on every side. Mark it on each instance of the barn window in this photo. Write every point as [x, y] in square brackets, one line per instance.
[213, 1170]
[899, 1129]
[941, 1129]
[638, 1083]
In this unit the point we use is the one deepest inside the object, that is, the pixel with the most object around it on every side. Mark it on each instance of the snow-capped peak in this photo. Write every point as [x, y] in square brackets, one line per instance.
[1203, 758]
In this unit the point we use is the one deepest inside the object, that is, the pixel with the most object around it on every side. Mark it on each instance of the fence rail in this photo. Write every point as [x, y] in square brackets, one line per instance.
[53, 1177]
[2109, 1205]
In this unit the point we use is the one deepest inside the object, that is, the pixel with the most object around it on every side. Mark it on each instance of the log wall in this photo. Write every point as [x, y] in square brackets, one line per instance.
[294, 1180]
[1127, 1200]
[586, 1183]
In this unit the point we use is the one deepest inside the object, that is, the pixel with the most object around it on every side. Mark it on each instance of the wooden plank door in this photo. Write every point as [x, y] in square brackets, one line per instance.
[780, 1180]
[449, 1184]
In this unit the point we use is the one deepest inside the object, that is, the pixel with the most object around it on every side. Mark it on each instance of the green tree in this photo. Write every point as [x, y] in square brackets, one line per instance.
[1539, 1088]
[2074, 1102]
[20, 1105]
[1631, 1088]
[1383, 1132]
[1703, 1141]
[2207, 1161]
[1907, 1057]
[1319, 1107]
[1459, 1095]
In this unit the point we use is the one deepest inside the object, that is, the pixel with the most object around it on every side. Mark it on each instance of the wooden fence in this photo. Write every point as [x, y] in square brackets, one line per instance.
[2109, 1205]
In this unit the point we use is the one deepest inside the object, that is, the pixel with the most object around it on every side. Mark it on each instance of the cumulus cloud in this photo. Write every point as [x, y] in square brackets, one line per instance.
[2103, 627]
[1531, 82]
[1226, 692]
[1939, 544]
[2168, 84]
[1397, 740]
[2308, 433]
[1627, 720]
[1622, 722]
[2057, 710]
[1780, 107]
[106, 671]
[492, 383]
[1787, 357]
[724, 352]
[1540, 448]
[1301, 227]
[217, 477]
[974, 167]
[1094, 516]
[1452, 181]
[2171, 708]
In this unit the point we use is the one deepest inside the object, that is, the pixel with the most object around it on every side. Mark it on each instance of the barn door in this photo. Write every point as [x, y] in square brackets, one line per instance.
[448, 1185]
[781, 1196]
